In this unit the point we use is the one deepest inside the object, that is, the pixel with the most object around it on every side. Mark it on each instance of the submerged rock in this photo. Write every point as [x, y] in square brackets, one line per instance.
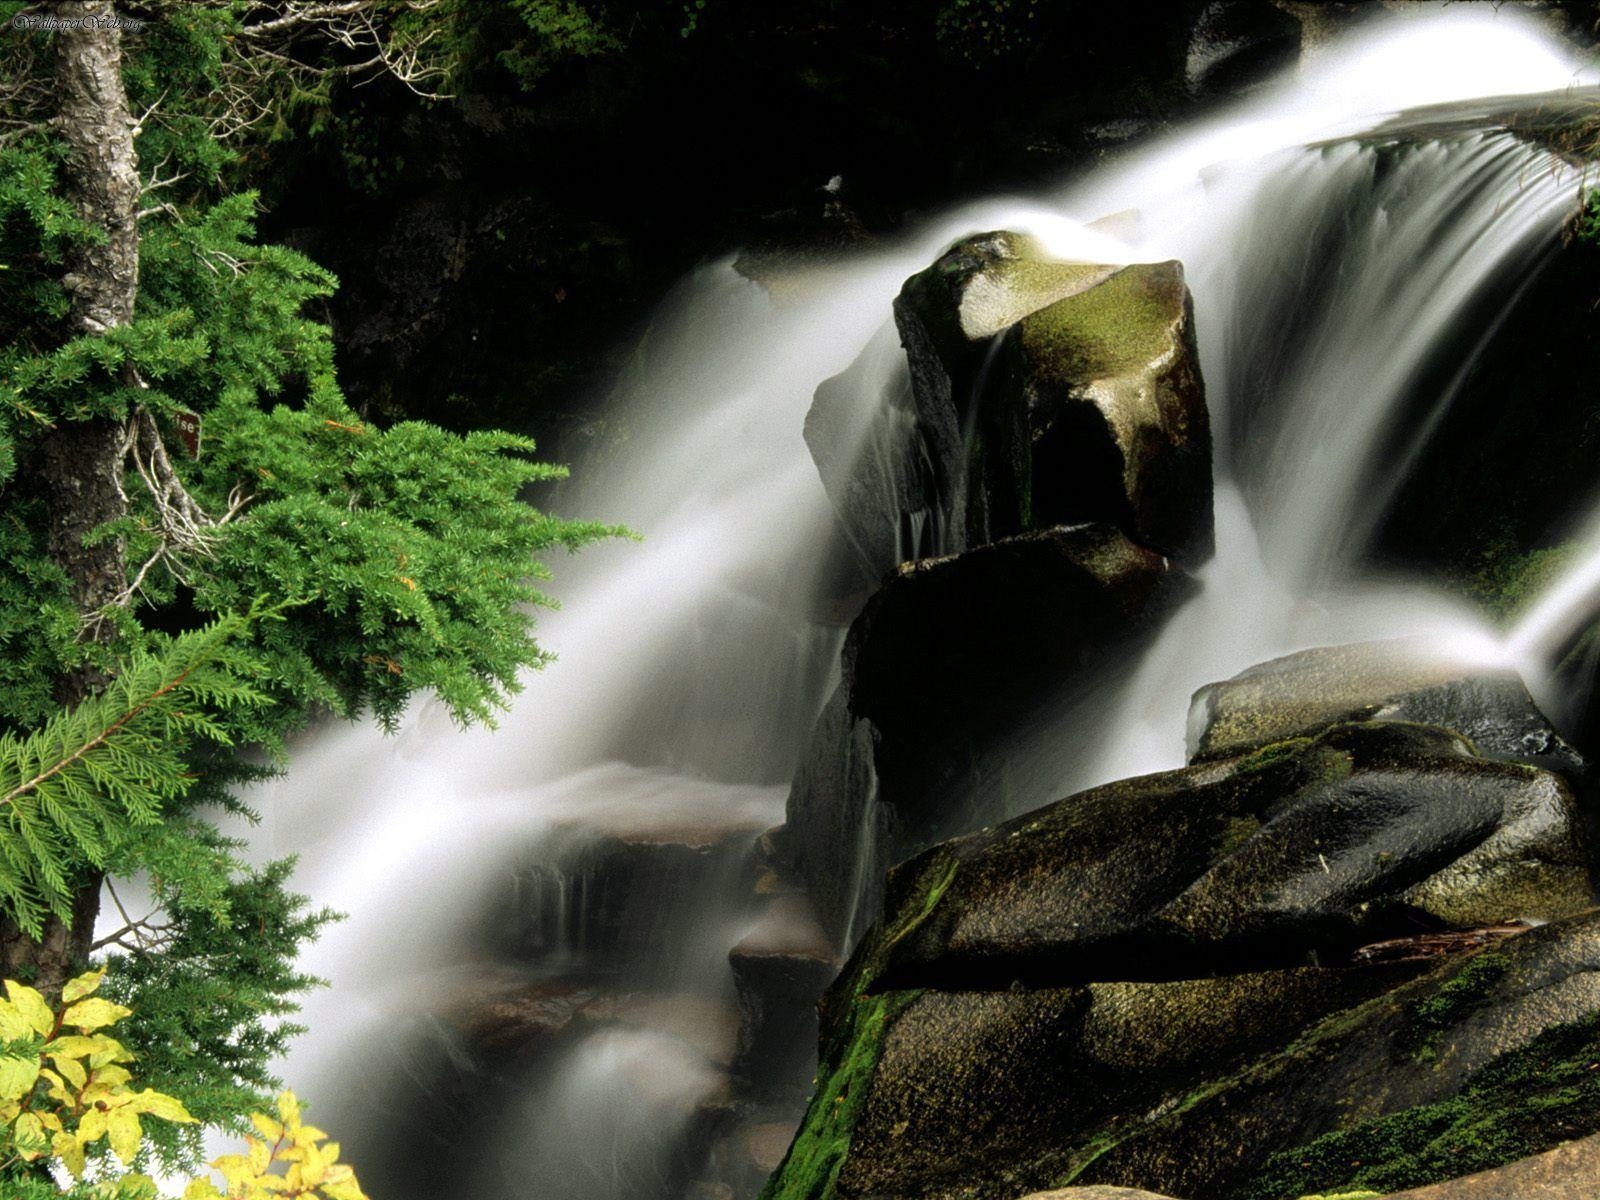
[946, 657]
[876, 467]
[1403, 680]
[1048, 392]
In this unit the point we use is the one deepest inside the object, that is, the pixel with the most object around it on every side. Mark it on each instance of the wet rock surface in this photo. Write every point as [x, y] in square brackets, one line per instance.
[1307, 849]
[1284, 972]
[1375, 681]
[780, 968]
[948, 655]
[1050, 392]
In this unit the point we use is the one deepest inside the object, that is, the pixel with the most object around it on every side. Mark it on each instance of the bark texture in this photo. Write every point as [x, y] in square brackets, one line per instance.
[78, 468]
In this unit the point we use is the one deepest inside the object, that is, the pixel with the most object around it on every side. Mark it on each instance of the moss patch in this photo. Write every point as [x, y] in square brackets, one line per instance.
[1523, 1103]
[1450, 1005]
[1276, 752]
[1506, 580]
[811, 1168]
[1120, 326]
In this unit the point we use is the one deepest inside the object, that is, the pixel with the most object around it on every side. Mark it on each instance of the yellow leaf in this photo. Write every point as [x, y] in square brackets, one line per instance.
[236, 1170]
[69, 1150]
[75, 1045]
[204, 1189]
[157, 1104]
[343, 1189]
[260, 1155]
[289, 1109]
[72, 1071]
[17, 1076]
[13, 1025]
[93, 1126]
[122, 1127]
[32, 1006]
[267, 1127]
[92, 1014]
[82, 986]
[28, 1133]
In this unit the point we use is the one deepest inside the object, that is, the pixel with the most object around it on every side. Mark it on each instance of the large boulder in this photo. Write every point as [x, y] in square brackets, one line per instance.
[1048, 392]
[1263, 1085]
[1403, 680]
[1116, 422]
[1297, 854]
[1365, 957]
[944, 660]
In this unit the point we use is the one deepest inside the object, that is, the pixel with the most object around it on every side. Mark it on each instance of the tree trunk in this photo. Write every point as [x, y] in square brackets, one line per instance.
[79, 464]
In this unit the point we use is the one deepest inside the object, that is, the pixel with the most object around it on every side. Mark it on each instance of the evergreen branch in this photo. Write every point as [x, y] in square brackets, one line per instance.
[74, 790]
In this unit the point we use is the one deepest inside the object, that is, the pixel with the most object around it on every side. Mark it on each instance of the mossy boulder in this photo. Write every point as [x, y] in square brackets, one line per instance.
[1299, 853]
[1109, 382]
[1402, 680]
[947, 657]
[1048, 392]
[1265, 1085]
[1259, 978]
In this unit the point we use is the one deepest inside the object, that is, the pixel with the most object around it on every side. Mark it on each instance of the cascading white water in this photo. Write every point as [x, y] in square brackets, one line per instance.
[698, 658]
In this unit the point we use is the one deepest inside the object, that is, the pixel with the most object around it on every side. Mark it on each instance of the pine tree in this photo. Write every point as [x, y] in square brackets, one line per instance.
[160, 608]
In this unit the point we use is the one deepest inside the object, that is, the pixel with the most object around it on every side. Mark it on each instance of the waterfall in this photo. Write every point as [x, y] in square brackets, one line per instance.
[1328, 254]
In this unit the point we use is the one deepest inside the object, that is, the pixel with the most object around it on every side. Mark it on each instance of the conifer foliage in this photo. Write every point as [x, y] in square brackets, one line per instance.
[202, 545]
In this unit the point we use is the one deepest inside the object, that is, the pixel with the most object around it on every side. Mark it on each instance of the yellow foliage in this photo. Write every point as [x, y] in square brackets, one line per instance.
[310, 1164]
[62, 1092]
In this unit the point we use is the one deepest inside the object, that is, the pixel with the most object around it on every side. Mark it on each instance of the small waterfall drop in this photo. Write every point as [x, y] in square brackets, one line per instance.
[1326, 266]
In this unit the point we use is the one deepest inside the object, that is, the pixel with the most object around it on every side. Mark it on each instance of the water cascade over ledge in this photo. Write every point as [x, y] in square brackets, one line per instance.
[1338, 254]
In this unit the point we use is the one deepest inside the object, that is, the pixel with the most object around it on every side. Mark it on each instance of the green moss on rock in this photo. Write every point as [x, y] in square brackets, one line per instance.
[809, 1170]
[1523, 1103]
[1119, 327]
[1455, 1000]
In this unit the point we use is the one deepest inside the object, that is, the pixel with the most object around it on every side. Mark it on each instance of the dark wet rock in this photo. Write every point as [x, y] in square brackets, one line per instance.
[1234, 43]
[948, 317]
[748, 1154]
[1308, 848]
[875, 462]
[603, 893]
[786, 249]
[500, 1021]
[1375, 681]
[1116, 420]
[1048, 393]
[1255, 1086]
[949, 655]
[780, 968]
